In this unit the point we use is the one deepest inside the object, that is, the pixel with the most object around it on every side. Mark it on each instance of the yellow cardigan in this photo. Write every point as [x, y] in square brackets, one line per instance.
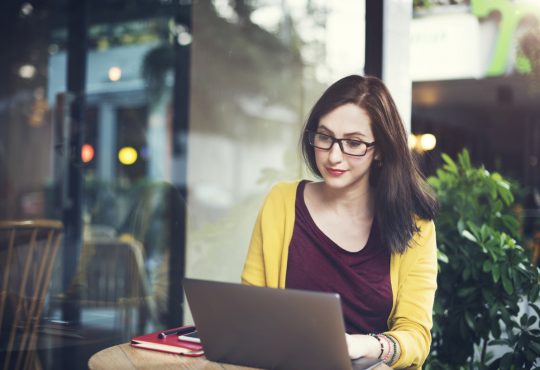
[413, 274]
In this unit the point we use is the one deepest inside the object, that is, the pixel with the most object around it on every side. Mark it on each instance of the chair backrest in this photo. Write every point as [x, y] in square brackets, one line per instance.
[27, 252]
[111, 274]
[110, 270]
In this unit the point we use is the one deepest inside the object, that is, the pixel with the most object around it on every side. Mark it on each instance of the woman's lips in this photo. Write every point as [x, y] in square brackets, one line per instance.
[335, 172]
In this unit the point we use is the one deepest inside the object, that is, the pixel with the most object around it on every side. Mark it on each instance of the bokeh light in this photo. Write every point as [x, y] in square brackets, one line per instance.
[27, 71]
[127, 155]
[115, 73]
[412, 141]
[87, 153]
[428, 142]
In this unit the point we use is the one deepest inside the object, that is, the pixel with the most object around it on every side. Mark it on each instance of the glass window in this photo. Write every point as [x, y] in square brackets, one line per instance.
[151, 130]
[256, 71]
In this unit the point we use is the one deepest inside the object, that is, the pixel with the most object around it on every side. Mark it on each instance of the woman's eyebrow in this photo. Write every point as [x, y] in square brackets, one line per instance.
[357, 133]
[324, 128]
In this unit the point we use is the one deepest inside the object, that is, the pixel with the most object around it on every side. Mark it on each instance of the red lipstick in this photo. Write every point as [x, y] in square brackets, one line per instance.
[335, 172]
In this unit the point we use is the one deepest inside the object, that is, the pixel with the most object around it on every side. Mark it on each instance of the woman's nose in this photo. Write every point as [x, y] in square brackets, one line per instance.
[335, 155]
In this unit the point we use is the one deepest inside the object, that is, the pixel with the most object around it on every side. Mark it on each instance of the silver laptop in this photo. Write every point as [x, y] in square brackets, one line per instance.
[280, 329]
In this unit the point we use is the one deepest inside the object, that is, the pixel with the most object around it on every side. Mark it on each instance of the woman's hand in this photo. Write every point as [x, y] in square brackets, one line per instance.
[360, 345]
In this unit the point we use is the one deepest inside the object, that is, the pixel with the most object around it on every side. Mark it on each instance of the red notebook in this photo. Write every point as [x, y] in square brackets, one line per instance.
[169, 343]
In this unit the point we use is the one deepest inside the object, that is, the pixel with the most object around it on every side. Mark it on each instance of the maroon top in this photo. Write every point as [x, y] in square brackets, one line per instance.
[361, 278]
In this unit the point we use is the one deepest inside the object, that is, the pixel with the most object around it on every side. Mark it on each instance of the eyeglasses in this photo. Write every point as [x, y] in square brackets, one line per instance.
[352, 147]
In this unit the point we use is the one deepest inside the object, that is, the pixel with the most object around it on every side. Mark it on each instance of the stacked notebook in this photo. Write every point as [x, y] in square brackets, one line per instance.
[167, 341]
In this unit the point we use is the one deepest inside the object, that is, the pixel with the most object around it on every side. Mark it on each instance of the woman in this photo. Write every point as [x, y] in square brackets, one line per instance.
[364, 231]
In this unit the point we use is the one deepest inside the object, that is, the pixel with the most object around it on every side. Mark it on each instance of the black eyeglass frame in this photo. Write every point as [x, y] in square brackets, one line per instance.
[311, 141]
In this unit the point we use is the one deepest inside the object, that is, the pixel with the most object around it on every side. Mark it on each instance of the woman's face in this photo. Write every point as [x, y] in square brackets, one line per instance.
[340, 170]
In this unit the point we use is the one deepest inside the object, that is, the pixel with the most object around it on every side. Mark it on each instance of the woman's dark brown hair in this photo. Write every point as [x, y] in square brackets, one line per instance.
[401, 192]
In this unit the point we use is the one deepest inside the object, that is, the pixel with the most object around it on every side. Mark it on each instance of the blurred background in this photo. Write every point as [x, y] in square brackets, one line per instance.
[152, 129]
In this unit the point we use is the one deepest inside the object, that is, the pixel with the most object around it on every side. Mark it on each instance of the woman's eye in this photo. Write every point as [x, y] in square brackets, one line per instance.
[354, 143]
[322, 137]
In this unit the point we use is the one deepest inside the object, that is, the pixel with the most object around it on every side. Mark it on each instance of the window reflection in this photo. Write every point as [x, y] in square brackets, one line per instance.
[269, 61]
[183, 128]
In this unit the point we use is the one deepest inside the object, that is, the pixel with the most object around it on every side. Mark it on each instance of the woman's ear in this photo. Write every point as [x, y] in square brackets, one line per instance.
[377, 156]
[377, 159]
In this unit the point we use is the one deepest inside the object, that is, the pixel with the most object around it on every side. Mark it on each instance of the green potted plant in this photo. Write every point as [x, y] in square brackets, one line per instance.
[487, 295]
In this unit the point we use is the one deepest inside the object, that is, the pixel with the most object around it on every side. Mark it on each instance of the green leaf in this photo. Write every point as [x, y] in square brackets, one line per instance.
[490, 298]
[450, 164]
[496, 329]
[536, 308]
[504, 186]
[506, 196]
[486, 266]
[533, 294]
[531, 357]
[496, 176]
[511, 224]
[492, 311]
[492, 189]
[485, 232]
[498, 342]
[434, 182]
[460, 226]
[464, 159]
[511, 274]
[470, 320]
[505, 316]
[535, 347]
[507, 285]
[441, 256]
[464, 292]
[466, 273]
[441, 174]
[506, 361]
[496, 273]
[467, 235]
[497, 207]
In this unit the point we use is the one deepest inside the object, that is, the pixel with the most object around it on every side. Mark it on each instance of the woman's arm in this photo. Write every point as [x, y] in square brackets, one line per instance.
[412, 320]
[266, 261]
[253, 273]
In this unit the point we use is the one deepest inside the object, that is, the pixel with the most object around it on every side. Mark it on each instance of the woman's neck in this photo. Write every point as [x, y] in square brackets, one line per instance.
[357, 203]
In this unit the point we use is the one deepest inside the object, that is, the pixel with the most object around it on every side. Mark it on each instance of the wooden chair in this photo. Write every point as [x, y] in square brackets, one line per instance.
[111, 275]
[27, 253]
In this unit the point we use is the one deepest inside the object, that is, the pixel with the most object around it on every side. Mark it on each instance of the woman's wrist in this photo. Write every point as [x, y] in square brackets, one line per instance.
[361, 345]
[390, 349]
[380, 343]
[382, 346]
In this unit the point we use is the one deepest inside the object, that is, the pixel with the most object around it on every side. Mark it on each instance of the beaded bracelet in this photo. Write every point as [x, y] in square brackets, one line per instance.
[390, 352]
[380, 342]
[394, 344]
[398, 350]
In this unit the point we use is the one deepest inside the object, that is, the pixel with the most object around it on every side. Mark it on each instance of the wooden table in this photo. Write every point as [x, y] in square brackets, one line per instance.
[123, 357]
